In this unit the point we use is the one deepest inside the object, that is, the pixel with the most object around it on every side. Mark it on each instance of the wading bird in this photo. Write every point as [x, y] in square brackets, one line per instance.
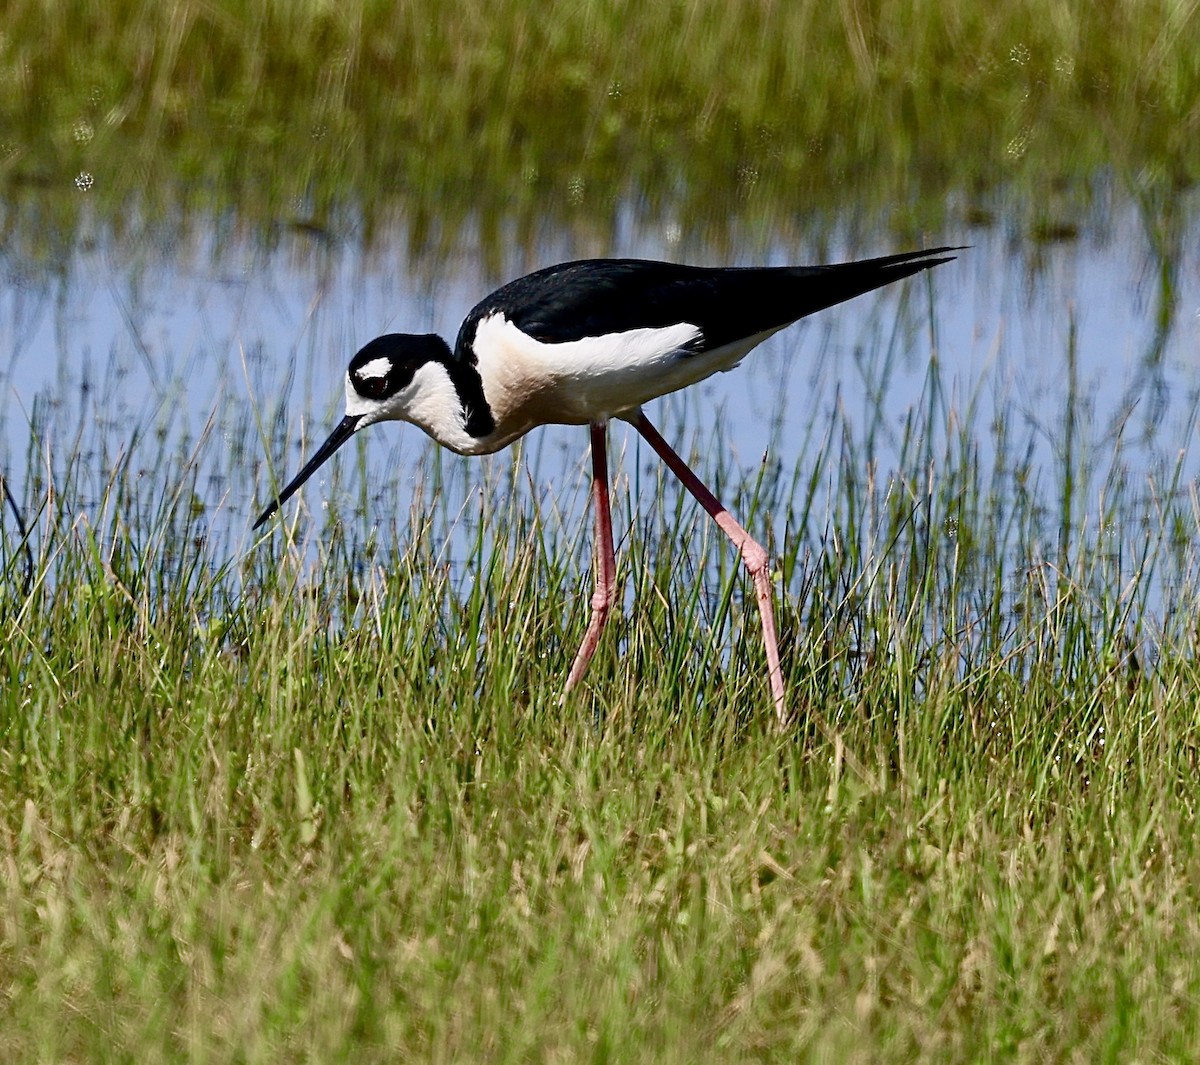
[583, 342]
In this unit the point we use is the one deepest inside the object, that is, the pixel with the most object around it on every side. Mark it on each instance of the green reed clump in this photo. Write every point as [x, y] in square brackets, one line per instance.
[314, 796]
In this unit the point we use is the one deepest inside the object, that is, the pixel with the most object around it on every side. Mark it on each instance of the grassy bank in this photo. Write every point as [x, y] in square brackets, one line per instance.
[516, 121]
[318, 802]
[314, 798]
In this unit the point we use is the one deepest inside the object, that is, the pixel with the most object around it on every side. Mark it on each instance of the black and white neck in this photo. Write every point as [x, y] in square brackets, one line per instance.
[416, 378]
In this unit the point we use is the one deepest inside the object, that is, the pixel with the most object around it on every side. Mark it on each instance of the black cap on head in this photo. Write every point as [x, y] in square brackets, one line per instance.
[387, 364]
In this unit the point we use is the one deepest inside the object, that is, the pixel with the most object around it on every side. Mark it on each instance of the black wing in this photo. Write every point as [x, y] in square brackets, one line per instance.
[594, 297]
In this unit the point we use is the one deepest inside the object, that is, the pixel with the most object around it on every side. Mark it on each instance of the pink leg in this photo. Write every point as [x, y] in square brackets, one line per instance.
[752, 552]
[604, 559]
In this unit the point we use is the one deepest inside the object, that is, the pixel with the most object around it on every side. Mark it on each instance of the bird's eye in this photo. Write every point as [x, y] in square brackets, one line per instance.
[373, 387]
[374, 378]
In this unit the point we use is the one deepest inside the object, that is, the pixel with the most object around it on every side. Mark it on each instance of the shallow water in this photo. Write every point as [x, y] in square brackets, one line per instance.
[139, 351]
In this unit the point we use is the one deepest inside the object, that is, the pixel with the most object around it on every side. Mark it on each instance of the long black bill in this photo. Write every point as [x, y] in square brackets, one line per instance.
[343, 432]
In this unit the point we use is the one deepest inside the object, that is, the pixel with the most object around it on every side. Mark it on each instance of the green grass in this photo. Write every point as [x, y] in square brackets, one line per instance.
[319, 802]
[316, 800]
[502, 123]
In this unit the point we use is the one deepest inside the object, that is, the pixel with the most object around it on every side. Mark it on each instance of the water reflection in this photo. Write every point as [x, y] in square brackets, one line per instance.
[1072, 361]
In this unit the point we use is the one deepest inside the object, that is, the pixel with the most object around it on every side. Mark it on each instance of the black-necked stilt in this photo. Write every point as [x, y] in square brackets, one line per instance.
[583, 342]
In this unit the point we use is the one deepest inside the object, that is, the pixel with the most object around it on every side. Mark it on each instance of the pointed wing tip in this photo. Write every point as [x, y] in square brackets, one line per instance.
[908, 261]
[927, 259]
[946, 257]
[937, 256]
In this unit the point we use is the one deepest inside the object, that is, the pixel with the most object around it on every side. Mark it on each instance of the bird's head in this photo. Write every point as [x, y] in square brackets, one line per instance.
[385, 381]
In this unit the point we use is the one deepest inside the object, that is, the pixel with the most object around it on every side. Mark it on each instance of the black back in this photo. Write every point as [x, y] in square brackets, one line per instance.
[594, 297]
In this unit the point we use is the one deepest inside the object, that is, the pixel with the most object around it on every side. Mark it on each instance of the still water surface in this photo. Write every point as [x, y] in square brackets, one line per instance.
[118, 350]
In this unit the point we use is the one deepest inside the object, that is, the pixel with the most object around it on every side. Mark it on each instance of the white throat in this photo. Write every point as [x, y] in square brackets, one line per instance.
[429, 401]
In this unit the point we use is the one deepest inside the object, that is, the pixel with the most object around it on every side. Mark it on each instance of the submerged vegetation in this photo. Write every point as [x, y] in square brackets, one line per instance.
[525, 121]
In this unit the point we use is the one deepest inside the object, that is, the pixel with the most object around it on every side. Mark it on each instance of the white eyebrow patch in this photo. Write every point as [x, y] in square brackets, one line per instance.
[373, 369]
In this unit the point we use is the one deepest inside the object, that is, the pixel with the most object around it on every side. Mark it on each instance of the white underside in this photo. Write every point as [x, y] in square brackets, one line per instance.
[528, 382]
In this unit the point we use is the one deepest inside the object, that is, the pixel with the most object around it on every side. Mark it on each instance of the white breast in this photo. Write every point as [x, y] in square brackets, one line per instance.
[528, 382]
